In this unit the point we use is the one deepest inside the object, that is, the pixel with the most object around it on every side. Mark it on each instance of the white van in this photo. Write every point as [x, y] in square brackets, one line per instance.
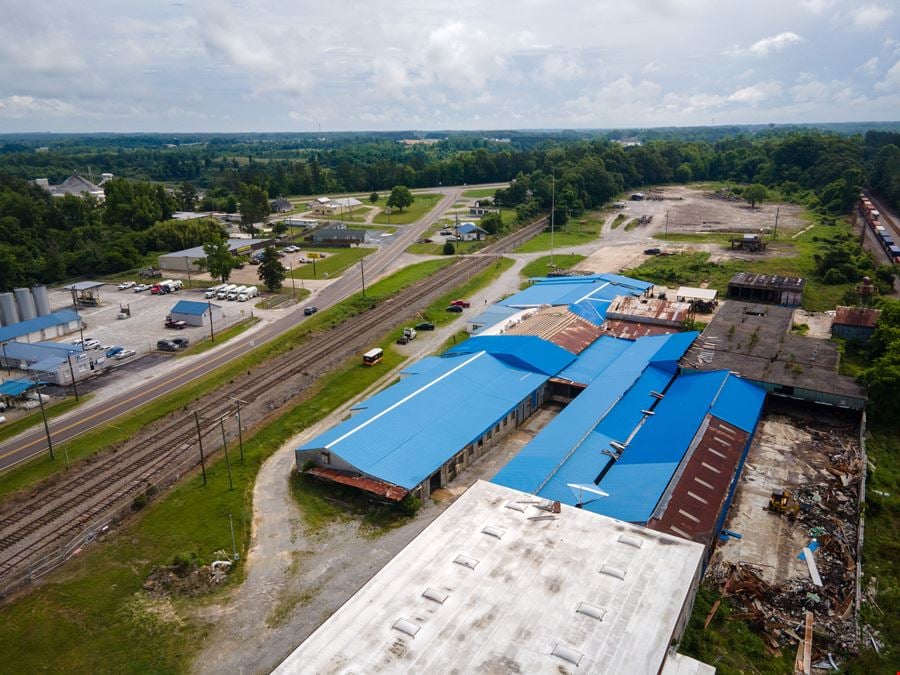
[251, 292]
[235, 292]
[223, 292]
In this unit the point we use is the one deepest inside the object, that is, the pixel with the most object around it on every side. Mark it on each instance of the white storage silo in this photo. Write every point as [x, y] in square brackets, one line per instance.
[9, 314]
[41, 300]
[25, 303]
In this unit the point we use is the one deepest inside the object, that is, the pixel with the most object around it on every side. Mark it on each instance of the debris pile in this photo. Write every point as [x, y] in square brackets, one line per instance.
[724, 194]
[826, 515]
[191, 581]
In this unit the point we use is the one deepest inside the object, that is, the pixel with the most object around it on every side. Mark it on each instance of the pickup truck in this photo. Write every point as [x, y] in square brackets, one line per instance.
[171, 323]
[409, 334]
[461, 303]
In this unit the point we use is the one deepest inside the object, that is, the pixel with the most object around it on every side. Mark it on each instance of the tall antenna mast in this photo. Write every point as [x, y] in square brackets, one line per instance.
[552, 215]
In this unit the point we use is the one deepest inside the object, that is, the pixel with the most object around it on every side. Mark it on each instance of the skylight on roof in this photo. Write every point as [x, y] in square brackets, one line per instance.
[492, 531]
[590, 610]
[437, 596]
[516, 506]
[611, 571]
[406, 626]
[465, 561]
[567, 654]
[631, 540]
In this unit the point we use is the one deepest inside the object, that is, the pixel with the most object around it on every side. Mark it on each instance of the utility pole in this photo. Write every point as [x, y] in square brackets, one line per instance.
[240, 430]
[44, 416]
[200, 441]
[187, 268]
[775, 230]
[552, 215]
[227, 458]
[72, 373]
[362, 271]
[293, 283]
[212, 335]
[667, 225]
[8, 371]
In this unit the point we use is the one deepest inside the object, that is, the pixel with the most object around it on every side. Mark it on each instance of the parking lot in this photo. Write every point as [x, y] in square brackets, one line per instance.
[148, 315]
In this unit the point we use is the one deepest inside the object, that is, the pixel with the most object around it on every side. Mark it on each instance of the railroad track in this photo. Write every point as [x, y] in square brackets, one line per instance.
[884, 217]
[40, 524]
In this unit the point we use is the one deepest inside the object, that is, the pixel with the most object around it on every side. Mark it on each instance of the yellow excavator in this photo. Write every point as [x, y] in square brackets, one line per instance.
[784, 503]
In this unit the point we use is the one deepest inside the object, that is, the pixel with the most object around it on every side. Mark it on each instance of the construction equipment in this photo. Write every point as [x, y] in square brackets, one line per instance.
[784, 503]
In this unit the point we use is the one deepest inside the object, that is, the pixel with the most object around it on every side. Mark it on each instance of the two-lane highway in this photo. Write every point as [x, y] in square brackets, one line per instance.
[33, 442]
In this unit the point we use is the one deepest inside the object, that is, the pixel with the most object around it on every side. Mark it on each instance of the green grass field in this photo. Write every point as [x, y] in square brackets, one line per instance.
[335, 262]
[423, 204]
[480, 192]
[541, 266]
[576, 232]
[232, 331]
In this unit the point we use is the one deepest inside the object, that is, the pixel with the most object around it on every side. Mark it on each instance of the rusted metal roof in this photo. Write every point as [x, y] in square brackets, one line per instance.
[862, 317]
[631, 330]
[771, 281]
[559, 326]
[376, 487]
[648, 310]
[692, 505]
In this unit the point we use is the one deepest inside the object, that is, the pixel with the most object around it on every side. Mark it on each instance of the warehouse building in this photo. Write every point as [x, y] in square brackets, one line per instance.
[338, 237]
[195, 313]
[625, 445]
[445, 413]
[767, 288]
[502, 582]
[855, 323]
[755, 341]
[190, 259]
[48, 327]
[55, 362]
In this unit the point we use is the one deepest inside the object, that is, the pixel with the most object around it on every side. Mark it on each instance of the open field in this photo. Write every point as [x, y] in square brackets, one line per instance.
[335, 262]
[575, 232]
[423, 204]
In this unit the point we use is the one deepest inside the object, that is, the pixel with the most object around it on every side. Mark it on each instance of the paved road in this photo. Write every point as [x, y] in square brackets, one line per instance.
[34, 442]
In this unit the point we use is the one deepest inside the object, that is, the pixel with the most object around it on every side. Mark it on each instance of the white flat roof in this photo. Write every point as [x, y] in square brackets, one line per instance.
[696, 293]
[497, 584]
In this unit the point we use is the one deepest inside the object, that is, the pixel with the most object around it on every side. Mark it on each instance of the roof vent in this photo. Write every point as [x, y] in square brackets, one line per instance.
[438, 596]
[405, 626]
[516, 506]
[567, 654]
[637, 542]
[611, 571]
[466, 561]
[492, 531]
[591, 610]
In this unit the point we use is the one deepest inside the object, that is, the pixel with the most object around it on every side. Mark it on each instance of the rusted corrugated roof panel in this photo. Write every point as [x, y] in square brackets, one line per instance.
[650, 310]
[631, 330]
[863, 317]
[692, 507]
[559, 326]
[377, 487]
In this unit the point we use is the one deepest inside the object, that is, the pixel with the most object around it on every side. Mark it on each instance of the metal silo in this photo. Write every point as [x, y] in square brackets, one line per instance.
[41, 300]
[9, 314]
[25, 303]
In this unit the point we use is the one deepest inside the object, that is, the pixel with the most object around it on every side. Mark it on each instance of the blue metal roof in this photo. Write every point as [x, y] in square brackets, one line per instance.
[37, 351]
[47, 365]
[15, 387]
[190, 307]
[491, 317]
[405, 433]
[465, 228]
[521, 351]
[36, 324]
[595, 359]
[740, 403]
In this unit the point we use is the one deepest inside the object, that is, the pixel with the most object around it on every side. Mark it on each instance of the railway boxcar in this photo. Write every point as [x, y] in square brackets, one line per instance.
[894, 252]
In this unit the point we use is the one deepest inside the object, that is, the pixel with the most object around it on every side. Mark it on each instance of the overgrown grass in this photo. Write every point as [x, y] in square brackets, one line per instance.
[288, 294]
[480, 192]
[126, 426]
[794, 258]
[575, 232]
[437, 312]
[423, 204]
[619, 219]
[541, 266]
[224, 336]
[335, 262]
[10, 429]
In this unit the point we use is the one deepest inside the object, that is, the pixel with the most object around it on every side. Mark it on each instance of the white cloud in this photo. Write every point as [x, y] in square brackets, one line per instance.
[891, 79]
[767, 45]
[23, 106]
[757, 93]
[870, 17]
[869, 67]
[560, 68]
[810, 90]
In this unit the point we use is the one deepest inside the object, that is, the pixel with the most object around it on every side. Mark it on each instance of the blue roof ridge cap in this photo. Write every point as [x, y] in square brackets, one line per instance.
[666, 496]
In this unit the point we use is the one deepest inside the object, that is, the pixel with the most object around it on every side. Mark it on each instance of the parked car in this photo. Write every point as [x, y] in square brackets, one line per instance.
[291, 249]
[461, 303]
[166, 346]
[124, 354]
[125, 285]
[309, 311]
[181, 342]
[140, 288]
[456, 309]
[178, 325]
[425, 325]
[113, 351]
[652, 251]
[87, 343]
[446, 233]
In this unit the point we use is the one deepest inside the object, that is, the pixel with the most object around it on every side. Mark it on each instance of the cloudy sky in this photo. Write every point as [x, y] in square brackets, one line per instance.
[296, 65]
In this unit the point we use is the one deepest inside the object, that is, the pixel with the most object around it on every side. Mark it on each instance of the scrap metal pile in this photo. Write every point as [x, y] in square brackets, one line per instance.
[828, 518]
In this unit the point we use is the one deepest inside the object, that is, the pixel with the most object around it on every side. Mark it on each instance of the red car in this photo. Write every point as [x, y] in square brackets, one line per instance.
[461, 303]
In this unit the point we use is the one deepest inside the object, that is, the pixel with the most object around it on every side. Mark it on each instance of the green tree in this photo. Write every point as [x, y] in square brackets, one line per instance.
[279, 228]
[373, 197]
[254, 207]
[492, 223]
[400, 197]
[756, 194]
[271, 272]
[449, 248]
[186, 196]
[219, 260]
